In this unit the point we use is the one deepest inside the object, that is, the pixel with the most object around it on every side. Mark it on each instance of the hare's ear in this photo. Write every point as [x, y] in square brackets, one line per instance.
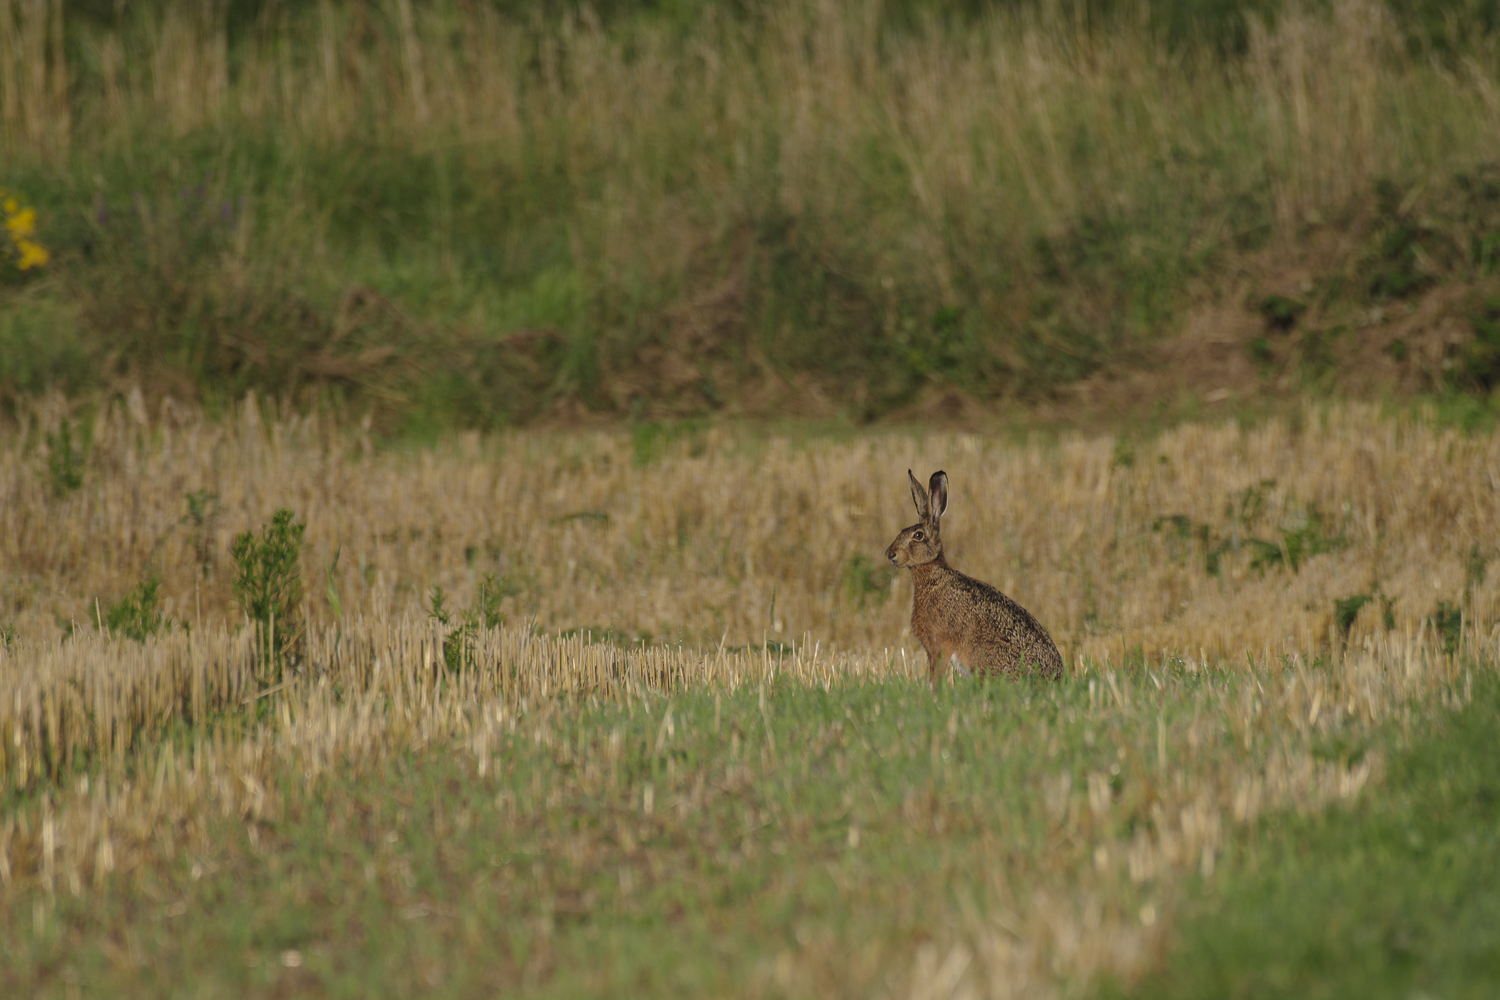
[919, 497]
[938, 486]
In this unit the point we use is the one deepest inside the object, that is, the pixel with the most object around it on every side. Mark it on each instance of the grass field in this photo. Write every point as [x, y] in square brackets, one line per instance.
[394, 599]
[746, 787]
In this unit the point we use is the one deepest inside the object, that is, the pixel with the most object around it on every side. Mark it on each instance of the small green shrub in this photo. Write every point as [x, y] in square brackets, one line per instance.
[1474, 567]
[1305, 536]
[649, 440]
[1298, 543]
[1260, 352]
[1316, 352]
[7, 634]
[1448, 621]
[1281, 312]
[203, 510]
[1245, 505]
[1346, 610]
[64, 460]
[458, 645]
[268, 586]
[646, 442]
[138, 614]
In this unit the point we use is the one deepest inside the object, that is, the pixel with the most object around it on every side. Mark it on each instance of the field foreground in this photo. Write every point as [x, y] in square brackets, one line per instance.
[728, 812]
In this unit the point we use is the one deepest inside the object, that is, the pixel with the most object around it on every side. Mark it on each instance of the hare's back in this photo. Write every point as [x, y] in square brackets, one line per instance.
[1012, 638]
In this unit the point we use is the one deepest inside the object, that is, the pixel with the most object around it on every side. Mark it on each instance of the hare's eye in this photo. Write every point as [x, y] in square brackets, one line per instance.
[916, 536]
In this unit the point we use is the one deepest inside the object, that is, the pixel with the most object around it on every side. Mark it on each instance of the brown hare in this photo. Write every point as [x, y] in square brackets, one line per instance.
[961, 622]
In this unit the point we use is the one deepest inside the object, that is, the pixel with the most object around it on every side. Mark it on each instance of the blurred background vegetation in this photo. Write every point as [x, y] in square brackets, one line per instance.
[485, 212]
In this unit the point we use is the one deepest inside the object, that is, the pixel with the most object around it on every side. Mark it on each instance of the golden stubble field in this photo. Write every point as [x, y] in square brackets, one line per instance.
[1190, 581]
[723, 536]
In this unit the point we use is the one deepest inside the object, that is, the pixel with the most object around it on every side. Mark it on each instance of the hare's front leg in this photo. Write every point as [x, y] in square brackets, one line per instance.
[937, 660]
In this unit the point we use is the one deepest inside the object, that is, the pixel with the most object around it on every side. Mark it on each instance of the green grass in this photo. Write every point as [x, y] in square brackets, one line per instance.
[416, 875]
[791, 841]
[1394, 897]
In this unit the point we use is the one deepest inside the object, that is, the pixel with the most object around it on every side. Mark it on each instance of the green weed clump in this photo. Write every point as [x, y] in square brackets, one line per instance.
[268, 586]
[138, 615]
[485, 613]
[65, 458]
[1300, 535]
[1447, 620]
[203, 509]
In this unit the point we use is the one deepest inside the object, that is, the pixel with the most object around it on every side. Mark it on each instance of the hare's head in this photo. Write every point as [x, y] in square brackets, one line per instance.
[921, 542]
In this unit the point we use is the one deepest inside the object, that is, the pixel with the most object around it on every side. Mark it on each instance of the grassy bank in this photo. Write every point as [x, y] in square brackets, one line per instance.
[455, 214]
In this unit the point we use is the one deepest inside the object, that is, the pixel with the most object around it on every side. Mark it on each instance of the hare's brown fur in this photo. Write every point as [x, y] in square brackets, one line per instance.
[959, 620]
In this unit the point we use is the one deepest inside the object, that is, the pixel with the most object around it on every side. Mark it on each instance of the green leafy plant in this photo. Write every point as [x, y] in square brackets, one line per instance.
[458, 645]
[64, 460]
[1245, 505]
[1306, 535]
[7, 634]
[1346, 610]
[1448, 621]
[1474, 567]
[1399, 271]
[268, 586]
[1281, 312]
[1299, 542]
[138, 614]
[203, 510]
[1260, 352]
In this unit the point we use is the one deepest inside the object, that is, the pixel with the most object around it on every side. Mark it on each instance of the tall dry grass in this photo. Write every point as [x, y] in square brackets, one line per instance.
[1034, 113]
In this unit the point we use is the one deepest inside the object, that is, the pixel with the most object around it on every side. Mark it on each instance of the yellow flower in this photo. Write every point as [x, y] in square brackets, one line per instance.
[20, 227]
[21, 224]
[32, 255]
